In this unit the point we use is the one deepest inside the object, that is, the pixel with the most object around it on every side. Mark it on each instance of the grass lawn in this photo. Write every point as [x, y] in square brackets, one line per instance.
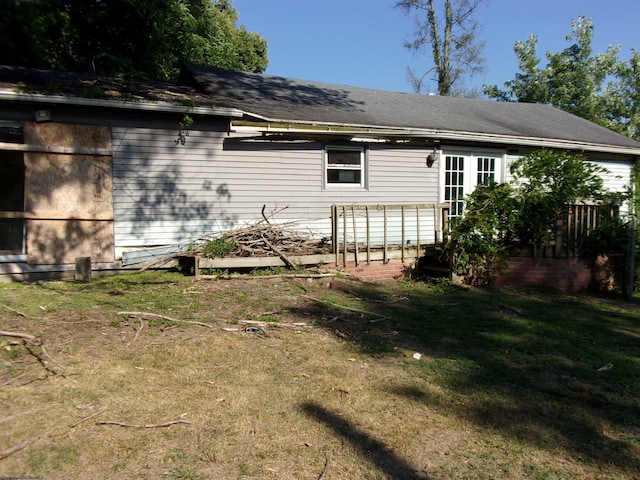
[330, 379]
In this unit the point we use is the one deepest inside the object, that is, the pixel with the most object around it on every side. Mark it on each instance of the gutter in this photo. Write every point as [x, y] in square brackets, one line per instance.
[120, 104]
[376, 132]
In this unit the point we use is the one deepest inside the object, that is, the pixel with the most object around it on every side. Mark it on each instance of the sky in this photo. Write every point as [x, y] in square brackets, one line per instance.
[360, 42]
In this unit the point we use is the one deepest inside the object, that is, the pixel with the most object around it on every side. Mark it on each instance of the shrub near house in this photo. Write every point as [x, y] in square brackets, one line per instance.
[531, 213]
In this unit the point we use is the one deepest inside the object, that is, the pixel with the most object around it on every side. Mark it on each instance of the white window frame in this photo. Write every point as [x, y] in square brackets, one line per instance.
[363, 167]
[470, 168]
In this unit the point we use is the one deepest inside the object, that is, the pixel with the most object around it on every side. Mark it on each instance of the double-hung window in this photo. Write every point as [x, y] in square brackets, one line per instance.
[344, 166]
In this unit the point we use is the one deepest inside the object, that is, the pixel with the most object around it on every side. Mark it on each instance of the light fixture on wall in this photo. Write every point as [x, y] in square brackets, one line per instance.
[432, 158]
[182, 137]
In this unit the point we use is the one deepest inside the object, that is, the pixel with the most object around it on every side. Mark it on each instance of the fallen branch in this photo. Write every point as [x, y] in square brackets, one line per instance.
[149, 425]
[14, 310]
[266, 277]
[14, 449]
[46, 354]
[164, 317]
[13, 417]
[282, 256]
[25, 336]
[138, 330]
[30, 341]
[350, 309]
[257, 323]
[88, 418]
[326, 465]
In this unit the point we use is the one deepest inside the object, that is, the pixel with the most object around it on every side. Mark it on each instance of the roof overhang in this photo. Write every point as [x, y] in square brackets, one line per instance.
[274, 128]
[158, 107]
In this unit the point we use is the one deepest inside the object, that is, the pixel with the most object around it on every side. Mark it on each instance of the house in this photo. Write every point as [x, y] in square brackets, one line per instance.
[104, 169]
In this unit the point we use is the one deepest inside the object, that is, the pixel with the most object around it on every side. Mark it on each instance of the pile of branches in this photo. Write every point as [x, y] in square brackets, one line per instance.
[261, 239]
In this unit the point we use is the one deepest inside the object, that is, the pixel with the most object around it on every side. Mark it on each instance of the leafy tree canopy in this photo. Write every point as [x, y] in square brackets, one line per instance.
[144, 38]
[597, 87]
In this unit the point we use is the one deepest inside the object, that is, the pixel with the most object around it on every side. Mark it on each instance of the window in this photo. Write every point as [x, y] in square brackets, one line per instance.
[486, 170]
[454, 184]
[461, 174]
[344, 166]
[12, 197]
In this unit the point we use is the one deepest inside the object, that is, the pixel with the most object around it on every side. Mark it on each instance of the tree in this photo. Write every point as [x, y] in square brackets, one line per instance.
[144, 38]
[454, 47]
[547, 182]
[597, 87]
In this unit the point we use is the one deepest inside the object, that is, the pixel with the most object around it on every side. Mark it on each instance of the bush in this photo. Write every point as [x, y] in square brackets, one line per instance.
[218, 247]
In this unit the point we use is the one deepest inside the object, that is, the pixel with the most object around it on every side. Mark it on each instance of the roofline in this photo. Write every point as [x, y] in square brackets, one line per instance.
[325, 128]
[120, 104]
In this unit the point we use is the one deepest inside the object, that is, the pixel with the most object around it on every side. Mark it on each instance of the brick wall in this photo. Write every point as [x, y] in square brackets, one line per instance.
[563, 274]
[376, 270]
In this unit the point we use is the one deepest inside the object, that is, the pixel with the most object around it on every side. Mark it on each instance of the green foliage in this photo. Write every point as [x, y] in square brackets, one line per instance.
[143, 38]
[547, 182]
[481, 238]
[218, 247]
[610, 237]
[597, 87]
[529, 211]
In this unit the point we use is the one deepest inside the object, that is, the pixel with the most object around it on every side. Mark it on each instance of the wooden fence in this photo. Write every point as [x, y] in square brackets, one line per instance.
[405, 230]
[582, 219]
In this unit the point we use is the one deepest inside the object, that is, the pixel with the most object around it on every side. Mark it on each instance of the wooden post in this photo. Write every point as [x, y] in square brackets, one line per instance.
[83, 269]
[366, 209]
[344, 233]
[436, 223]
[402, 237]
[418, 231]
[355, 235]
[196, 266]
[385, 260]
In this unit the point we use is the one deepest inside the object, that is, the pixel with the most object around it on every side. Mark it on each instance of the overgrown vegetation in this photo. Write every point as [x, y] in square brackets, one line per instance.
[399, 380]
[531, 212]
[218, 247]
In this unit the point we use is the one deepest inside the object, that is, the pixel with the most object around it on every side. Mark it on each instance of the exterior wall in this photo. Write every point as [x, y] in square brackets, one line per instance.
[618, 178]
[376, 270]
[166, 193]
[563, 274]
[569, 275]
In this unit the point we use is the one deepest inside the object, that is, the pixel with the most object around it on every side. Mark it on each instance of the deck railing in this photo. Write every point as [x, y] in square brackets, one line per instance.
[582, 219]
[358, 230]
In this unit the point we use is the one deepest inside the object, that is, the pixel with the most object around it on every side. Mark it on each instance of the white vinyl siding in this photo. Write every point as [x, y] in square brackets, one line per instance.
[166, 193]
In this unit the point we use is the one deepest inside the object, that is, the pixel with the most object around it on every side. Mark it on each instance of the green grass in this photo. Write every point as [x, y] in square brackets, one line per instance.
[508, 384]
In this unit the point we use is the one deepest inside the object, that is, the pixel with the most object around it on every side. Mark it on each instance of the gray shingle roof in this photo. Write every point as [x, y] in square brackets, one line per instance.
[283, 99]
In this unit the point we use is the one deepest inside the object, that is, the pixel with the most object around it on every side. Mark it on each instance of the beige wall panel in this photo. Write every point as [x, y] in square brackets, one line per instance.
[73, 185]
[69, 136]
[61, 241]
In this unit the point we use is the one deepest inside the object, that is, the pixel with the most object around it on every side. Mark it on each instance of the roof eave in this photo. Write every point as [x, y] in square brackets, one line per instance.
[267, 126]
[119, 104]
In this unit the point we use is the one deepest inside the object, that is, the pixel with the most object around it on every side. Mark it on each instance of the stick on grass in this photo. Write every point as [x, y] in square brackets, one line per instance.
[164, 317]
[148, 425]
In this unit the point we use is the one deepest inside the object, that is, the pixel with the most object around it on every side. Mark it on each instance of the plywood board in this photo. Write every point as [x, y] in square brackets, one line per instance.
[65, 135]
[61, 241]
[73, 185]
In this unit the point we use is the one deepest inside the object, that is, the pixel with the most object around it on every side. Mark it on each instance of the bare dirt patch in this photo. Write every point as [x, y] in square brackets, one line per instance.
[294, 379]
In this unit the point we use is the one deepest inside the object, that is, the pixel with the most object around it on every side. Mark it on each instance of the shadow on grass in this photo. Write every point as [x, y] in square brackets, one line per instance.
[394, 467]
[528, 365]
